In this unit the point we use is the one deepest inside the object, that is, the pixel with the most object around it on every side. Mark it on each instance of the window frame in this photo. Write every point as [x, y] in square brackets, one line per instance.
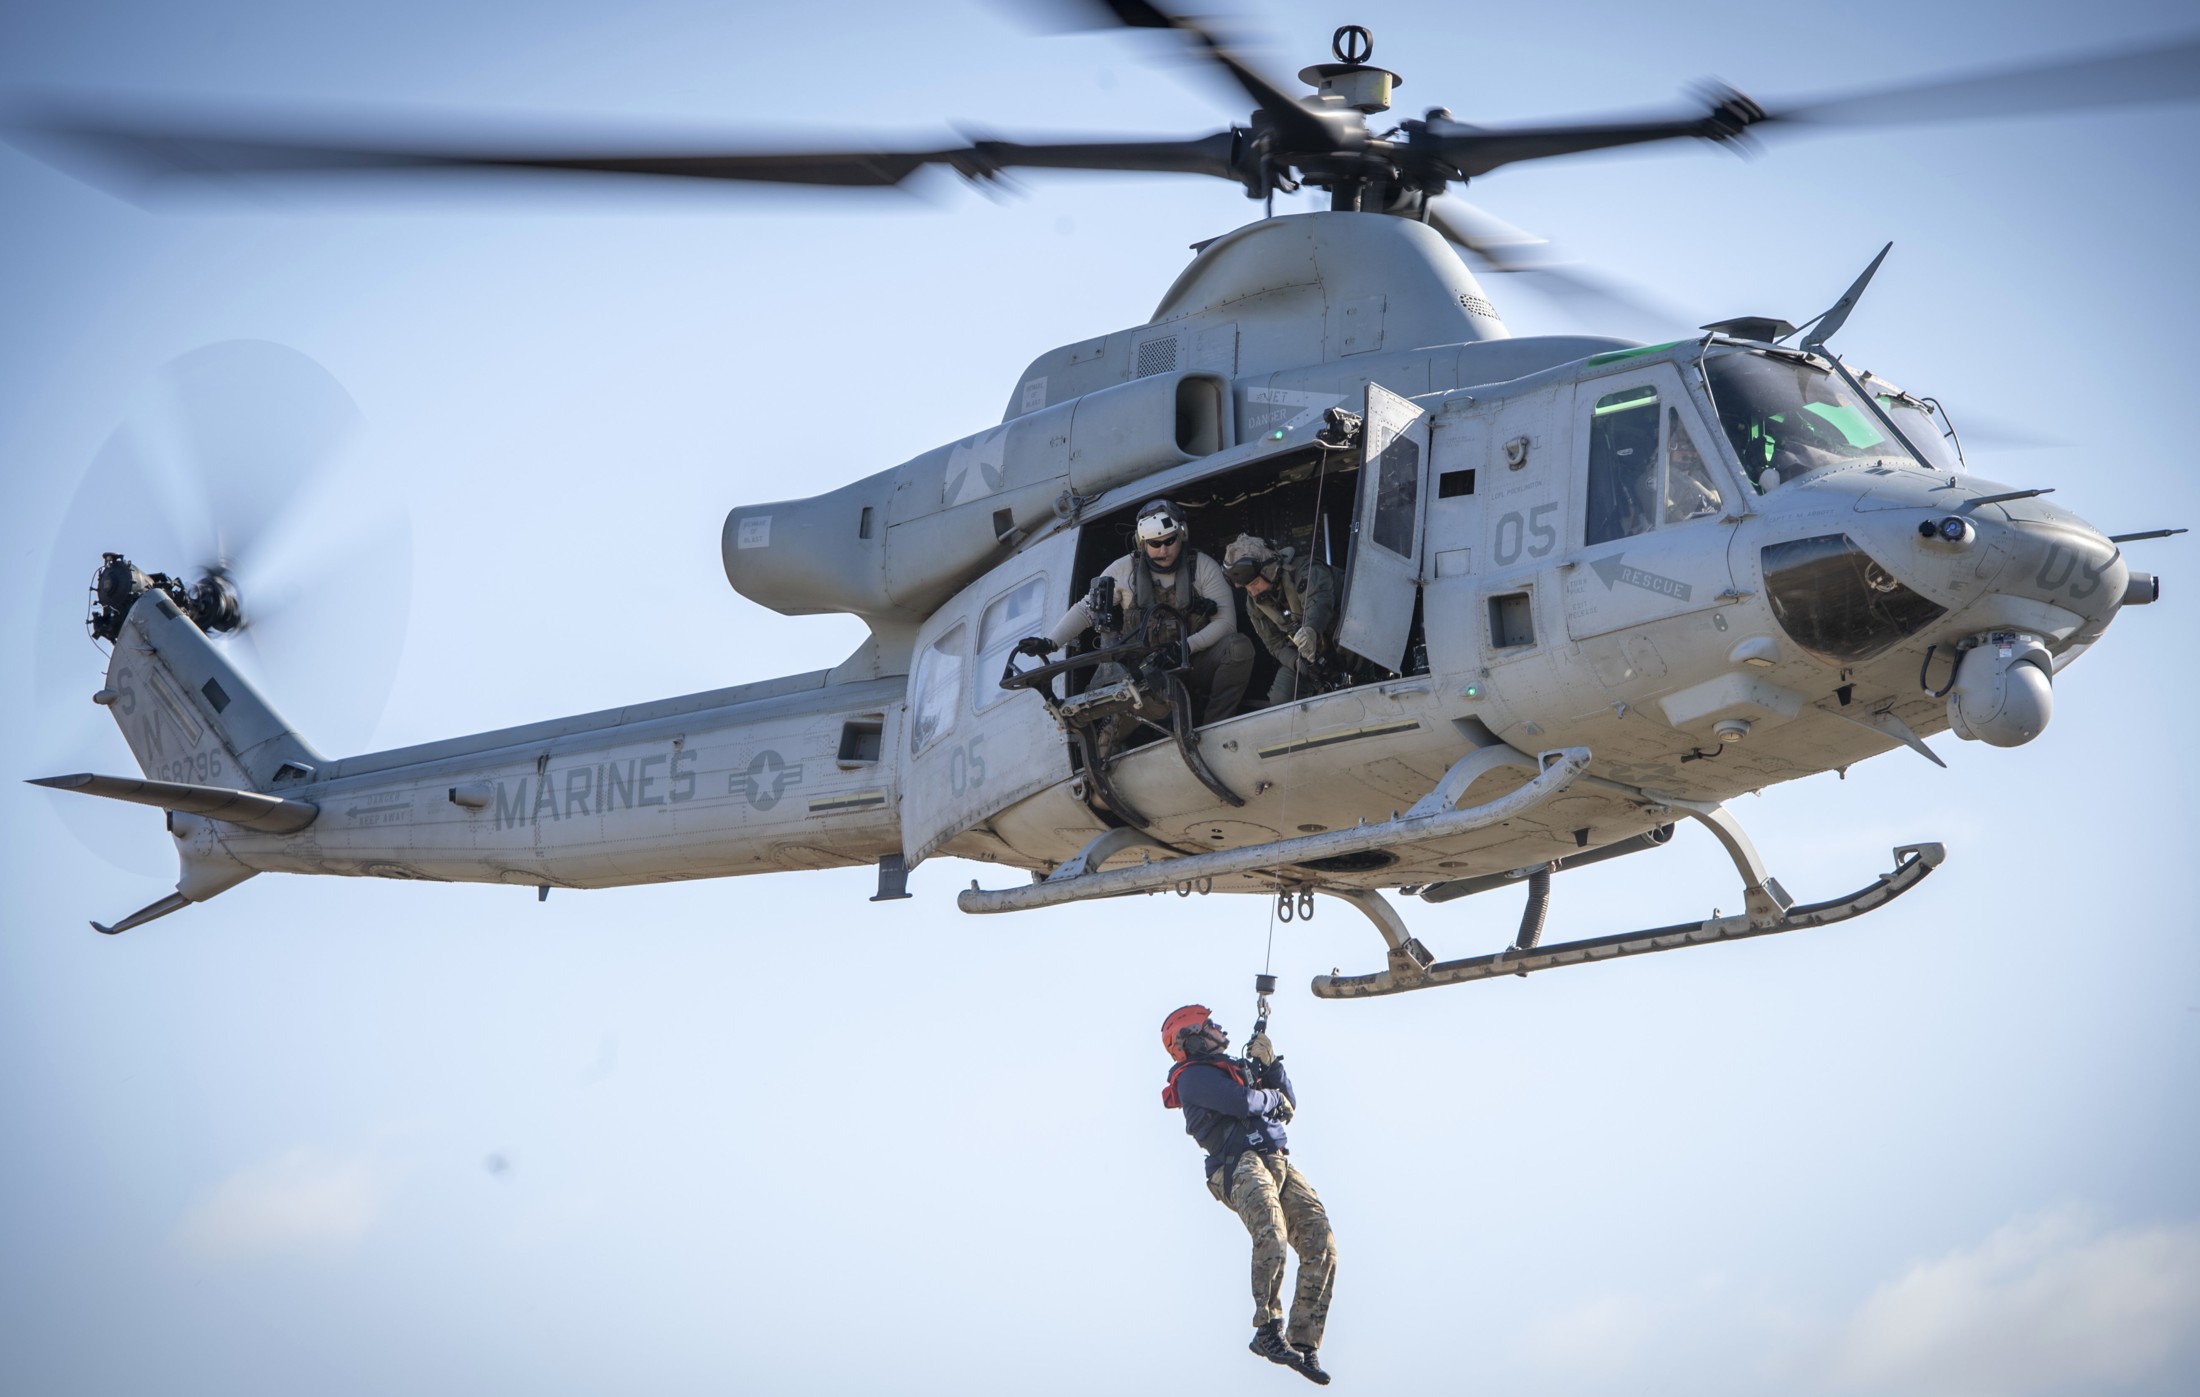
[985, 696]
[959, 635]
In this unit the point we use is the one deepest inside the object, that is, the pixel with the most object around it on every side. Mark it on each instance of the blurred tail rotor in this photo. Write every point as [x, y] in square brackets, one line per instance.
[234, 482]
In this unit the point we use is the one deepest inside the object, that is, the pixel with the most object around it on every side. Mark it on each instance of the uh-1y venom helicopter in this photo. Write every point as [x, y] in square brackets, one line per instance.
[1590, 586]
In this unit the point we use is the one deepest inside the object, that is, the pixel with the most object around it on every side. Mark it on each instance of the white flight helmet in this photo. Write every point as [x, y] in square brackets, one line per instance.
[1159, 522]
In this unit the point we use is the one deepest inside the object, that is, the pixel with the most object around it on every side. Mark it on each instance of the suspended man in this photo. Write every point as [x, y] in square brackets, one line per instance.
[1236, 1109]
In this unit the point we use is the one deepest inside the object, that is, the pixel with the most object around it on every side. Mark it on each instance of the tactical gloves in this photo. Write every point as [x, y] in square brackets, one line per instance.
[1038, 645]
[1281, 1112]
[1306, 641]
[1259, 1051]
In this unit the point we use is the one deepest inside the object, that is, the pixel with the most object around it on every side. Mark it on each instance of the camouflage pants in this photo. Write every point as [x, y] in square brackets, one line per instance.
[1278, 1205]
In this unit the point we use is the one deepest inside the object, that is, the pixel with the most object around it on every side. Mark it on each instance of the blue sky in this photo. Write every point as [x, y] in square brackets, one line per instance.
[762, 1135]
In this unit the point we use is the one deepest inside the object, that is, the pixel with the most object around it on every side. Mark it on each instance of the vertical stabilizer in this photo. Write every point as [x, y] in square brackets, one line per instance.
[187, 713]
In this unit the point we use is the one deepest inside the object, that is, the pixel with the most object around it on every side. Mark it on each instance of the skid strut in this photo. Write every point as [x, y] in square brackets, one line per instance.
[1912, 863]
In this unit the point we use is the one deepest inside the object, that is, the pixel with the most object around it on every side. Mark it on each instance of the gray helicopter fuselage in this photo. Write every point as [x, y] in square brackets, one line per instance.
[1509, 578]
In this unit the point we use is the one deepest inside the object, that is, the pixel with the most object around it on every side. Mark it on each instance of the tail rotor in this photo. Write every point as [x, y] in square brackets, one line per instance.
[234, 486]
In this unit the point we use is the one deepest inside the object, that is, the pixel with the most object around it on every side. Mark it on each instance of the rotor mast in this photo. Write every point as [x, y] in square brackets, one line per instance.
[1355, 83]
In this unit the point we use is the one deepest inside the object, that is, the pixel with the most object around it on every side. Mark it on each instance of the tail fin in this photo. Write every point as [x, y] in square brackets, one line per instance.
[187, 713]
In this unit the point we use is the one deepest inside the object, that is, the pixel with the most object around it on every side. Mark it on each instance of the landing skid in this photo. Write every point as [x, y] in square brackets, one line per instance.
[1767, 908]
[1412, 968]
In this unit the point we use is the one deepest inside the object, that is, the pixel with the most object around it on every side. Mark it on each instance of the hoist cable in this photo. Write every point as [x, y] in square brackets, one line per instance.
[1283, 807]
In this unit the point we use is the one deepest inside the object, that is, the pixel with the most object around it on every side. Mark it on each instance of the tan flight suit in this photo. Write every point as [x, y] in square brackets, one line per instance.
[1221, 655]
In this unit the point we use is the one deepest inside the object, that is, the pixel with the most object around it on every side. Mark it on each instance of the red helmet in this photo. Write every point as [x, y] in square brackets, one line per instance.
[1190, 1018]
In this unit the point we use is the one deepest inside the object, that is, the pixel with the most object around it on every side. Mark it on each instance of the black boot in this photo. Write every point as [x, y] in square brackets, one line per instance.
[1269, 1343]
[1307, 1365]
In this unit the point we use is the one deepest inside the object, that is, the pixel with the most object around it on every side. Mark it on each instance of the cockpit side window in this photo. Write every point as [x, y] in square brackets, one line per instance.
[1623, 465]
[1690, 492]
[1633, 484]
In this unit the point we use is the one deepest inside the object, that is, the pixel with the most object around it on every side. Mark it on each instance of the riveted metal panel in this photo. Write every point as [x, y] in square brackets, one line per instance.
[965, 752]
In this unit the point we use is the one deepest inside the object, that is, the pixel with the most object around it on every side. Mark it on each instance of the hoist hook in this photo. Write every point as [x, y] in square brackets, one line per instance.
[1263, 986]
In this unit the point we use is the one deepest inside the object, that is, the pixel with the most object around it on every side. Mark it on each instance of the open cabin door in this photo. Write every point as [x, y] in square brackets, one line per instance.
[1385, 563]
[972, 748]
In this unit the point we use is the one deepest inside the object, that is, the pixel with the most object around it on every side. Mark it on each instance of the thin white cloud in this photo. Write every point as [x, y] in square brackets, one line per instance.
[303, 1202]
[1593, 1342]
[2049, 1304]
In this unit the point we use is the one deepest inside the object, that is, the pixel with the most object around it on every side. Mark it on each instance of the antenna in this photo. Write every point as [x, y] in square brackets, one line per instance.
[1826, 324]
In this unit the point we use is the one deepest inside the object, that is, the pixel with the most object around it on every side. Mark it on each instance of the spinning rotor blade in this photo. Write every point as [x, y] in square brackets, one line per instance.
[234, 458]
[1467, 151]
[2124, 77]
[1498, 246]
[1300, 126]
[2161, 72]
[140, 150]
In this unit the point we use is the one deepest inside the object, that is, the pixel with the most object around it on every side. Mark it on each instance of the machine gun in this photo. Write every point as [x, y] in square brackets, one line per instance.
[1144, 690]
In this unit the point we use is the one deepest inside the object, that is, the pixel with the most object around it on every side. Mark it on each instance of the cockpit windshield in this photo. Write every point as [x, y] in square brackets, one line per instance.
[1920, 421]
[1785, 417]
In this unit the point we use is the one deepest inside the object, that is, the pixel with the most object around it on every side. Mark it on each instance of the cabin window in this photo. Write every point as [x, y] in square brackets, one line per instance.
[935, 687]
[1009, 619]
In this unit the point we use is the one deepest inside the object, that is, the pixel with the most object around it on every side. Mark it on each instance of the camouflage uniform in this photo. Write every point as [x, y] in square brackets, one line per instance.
[1277, 1204]
[1304, 594]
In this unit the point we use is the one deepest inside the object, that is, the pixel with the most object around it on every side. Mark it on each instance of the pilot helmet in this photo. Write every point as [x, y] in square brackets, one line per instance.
[1159, 522]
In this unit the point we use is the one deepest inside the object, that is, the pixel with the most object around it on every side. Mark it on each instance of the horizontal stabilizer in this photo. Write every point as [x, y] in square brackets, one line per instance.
[174, 902]
[247, 809]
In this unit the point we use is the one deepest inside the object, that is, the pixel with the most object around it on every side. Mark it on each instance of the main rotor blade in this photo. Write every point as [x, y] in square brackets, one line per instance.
[2159, 72]
[1201, 155]
[1476, 150]
[1500, 247]
[1497, 244]
[1303, 130]
[135, 152]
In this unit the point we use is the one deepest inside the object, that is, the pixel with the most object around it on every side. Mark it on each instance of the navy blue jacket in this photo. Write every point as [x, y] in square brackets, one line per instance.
[1227, 1119]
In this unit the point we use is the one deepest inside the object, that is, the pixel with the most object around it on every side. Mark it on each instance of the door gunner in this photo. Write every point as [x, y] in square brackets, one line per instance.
[1164, 570]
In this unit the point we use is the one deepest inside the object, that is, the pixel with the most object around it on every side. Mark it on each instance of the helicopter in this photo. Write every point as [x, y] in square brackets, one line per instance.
[1547, 629]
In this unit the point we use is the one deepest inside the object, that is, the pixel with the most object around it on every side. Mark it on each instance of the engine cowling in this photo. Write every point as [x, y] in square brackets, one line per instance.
[893, 546]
